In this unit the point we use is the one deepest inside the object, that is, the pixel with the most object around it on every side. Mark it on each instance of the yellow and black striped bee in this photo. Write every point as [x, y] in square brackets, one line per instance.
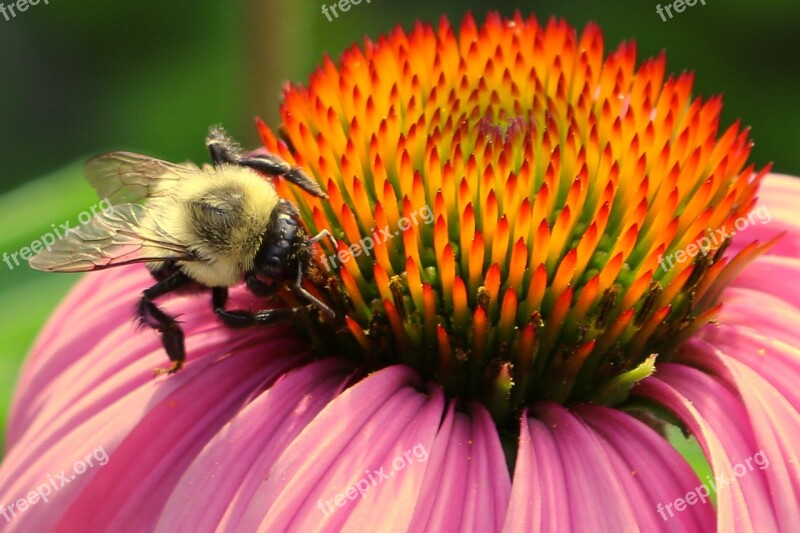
[197, 228]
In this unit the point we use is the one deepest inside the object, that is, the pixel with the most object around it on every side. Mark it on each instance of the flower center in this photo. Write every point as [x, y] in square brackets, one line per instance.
[507, 205]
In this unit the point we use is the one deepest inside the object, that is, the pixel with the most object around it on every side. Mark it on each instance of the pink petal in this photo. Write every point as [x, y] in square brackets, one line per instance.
[171, 432]
[765, 276]
[216, 491]
[741, 398]
[657, 472]
[776, 361]
[94, 389]
[721, 423]
[778, 197]
[466, 466]
[774, 424]
[366, 428]
[566, 457]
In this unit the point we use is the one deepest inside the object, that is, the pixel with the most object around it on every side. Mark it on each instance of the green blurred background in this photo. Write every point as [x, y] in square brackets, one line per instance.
[79, 78]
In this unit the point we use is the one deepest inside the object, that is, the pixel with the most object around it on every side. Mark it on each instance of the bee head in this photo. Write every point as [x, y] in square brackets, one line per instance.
[284, 249]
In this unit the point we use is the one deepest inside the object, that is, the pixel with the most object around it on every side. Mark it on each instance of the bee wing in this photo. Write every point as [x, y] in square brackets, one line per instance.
[125, 177]
[112, 238]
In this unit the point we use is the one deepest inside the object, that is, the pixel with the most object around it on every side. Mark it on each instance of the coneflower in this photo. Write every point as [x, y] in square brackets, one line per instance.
[544, 258]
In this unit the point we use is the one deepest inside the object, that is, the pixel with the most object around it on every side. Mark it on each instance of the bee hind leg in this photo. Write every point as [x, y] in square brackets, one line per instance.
[149, 314]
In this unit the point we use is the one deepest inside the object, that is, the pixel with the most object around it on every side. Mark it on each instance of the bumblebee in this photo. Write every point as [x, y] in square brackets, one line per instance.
[206, 228]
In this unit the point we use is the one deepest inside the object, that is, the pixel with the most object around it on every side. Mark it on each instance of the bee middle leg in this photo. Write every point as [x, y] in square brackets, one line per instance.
[149, 314]
[259, 288]
[239, 318]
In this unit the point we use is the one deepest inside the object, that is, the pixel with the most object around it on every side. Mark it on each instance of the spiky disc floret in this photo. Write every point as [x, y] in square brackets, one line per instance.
[557, 183]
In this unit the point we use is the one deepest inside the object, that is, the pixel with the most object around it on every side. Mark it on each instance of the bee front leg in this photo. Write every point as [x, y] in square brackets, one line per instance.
[325, 234]
[298, 288]
[225, 150]
[222, 148]
[273, 165]
[148, 314]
